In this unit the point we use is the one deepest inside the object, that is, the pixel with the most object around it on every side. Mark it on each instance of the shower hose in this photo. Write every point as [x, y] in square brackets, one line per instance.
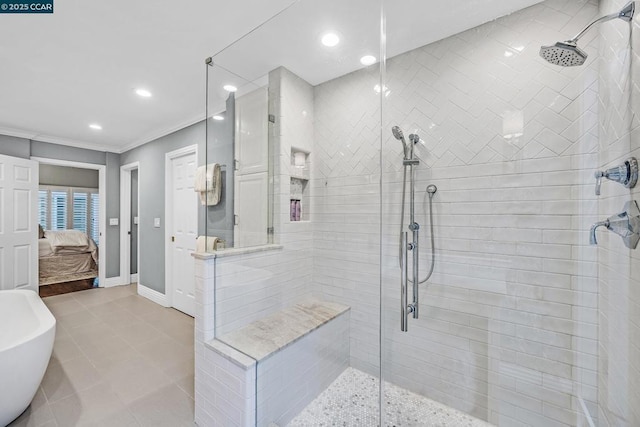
[433, 254]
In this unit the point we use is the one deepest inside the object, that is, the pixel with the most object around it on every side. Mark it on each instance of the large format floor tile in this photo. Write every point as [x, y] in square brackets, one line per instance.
[118, 360]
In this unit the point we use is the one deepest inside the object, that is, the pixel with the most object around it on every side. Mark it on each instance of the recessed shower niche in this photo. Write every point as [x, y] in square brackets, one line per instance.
[299, 187]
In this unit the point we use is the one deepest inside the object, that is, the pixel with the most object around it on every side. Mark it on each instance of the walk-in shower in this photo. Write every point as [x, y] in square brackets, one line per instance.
[568, 54]
[521, 322]
[409, 161]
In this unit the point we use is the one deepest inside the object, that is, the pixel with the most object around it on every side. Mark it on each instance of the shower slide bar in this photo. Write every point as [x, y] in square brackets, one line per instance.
[404, 313]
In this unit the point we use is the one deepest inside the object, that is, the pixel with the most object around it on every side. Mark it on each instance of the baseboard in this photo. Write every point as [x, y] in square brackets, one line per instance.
[134, 278]
[111, 281]
[155, 296]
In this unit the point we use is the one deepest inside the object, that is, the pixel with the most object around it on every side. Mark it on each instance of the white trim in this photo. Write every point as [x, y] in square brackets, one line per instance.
[153, 295]
[110, 282]
[125, 214]
[168, 214]
[134, 278]
[102, 194]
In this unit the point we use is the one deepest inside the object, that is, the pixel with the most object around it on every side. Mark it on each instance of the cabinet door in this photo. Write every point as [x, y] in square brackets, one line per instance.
[251, 122]
[251, 177]
[251, 210]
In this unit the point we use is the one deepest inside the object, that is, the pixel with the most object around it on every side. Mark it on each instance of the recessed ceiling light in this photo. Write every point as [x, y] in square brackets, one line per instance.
[330, 39]
[368, 60]
[218, 118]
[143, 93]
[229, 88]
[95, 126]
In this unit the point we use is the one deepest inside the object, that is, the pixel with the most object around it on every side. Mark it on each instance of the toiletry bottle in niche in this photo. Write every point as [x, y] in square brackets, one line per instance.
[298, 209]
[292, 211]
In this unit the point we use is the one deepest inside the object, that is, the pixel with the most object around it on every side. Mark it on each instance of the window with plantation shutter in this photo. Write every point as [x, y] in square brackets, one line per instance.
[80, 211]
[43, 203]
[95, 215]
[70, 208]
[58, 210]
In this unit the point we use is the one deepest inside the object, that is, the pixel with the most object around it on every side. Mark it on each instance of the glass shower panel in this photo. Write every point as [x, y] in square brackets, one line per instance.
[500, 149]
[236, 214]
[291, 303]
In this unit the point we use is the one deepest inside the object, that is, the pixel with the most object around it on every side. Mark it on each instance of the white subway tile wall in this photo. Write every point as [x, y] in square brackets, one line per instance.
[508, 321]
[619, 267]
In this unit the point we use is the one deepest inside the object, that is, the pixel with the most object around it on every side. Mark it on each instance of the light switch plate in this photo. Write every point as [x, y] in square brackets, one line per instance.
[156, 222]
[135, 219]
[113, 221]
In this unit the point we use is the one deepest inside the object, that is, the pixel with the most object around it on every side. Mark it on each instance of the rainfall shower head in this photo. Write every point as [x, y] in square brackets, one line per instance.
[397, 133]
[568, 54]
[564, 54]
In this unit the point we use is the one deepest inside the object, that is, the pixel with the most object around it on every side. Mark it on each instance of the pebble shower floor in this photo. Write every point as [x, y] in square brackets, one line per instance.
[352, 400]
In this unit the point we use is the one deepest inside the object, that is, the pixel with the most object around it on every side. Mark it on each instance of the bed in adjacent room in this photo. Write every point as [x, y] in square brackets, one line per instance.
[66, 255]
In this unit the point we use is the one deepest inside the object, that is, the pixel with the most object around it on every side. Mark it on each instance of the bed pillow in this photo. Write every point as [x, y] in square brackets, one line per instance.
[40, 232]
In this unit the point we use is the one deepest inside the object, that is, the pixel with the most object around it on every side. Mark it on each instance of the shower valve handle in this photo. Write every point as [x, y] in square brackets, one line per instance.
[625, 224]
[626, 174]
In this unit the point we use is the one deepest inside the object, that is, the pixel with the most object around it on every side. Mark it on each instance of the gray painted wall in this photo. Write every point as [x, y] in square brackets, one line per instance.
[16, 147]
[63, 152]
[151, 157]
[68, 177]
[24, 148]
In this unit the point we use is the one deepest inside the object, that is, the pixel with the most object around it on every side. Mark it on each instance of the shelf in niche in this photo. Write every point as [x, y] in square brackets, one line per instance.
[301, 176]
[299, 185]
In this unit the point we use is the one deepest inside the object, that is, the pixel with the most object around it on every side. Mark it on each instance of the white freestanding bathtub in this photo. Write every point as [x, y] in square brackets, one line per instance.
[27, 331]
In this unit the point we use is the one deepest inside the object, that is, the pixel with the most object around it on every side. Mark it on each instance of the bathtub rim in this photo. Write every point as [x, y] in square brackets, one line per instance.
[42, 313]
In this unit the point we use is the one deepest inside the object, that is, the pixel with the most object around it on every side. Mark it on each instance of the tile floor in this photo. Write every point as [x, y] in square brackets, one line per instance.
[118, 360]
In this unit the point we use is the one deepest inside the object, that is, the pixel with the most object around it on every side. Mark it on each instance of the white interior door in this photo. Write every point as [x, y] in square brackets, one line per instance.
[18, 223]
[182, 224]
[251, 176]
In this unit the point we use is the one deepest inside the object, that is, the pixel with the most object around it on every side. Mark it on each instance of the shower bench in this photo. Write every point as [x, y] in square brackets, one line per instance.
[280, 363]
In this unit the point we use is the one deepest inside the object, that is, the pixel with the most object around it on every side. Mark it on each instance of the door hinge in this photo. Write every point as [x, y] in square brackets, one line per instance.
[269, 230]
[272, 118]
[236, 219]
[173, 238]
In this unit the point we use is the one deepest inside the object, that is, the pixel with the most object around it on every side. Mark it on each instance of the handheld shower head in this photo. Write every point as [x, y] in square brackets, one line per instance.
[567, 53]
[397, 133]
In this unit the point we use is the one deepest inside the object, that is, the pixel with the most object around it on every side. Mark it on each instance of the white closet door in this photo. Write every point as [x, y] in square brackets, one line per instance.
[18, 223]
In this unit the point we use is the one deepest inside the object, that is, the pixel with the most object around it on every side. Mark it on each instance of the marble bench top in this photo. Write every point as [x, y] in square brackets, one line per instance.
[266, 336]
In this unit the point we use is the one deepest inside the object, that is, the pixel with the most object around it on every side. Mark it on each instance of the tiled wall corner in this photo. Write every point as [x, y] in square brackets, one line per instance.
[619, 267]
[225, 390]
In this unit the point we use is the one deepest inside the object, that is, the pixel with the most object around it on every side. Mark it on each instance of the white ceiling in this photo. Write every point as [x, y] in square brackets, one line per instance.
[80, 65]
